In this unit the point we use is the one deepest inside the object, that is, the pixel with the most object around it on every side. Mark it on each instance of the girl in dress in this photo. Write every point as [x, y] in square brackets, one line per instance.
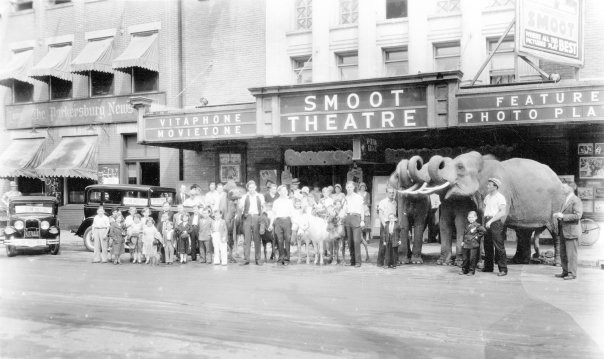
[365, 231]
[183, 231]
[150, 235]
[117, 239]
[134, 233]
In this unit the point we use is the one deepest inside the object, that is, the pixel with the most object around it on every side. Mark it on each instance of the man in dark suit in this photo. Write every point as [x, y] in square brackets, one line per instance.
[569, 230]
[182, 195]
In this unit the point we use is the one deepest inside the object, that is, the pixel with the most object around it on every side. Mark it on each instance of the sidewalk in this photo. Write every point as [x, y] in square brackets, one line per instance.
[592, 256]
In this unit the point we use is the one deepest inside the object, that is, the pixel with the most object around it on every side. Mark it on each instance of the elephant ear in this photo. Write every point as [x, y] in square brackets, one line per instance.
[476, 158]
[404, 181]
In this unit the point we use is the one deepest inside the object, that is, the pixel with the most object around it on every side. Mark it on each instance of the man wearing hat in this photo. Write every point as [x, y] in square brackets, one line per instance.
[12, 193]
[251, 206]
[495, 211]
[307, 199]
[294, 191]
[570, 230]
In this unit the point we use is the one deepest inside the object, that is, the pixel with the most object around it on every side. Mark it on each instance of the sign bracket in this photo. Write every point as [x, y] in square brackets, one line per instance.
[488, 59]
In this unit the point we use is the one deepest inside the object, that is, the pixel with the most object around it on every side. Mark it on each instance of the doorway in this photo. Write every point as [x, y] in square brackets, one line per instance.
[321, 176]
[146, 173]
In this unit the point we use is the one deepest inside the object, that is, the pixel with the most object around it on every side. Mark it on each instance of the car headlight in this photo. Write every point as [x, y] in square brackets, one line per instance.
[44, 225]
[19, 225]
[54, 230]
[8, 231]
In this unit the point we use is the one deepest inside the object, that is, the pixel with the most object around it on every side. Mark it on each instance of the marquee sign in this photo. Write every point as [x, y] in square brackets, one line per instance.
[232, 122]
[539, 105]
[552, 30]
[395, 108]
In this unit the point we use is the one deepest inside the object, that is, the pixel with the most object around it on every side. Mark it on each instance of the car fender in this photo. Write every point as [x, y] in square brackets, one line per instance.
[83, 226]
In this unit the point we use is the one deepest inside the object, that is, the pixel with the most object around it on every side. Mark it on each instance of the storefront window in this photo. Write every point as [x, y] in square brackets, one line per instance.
[447, 56]
[348, 65]
[144, 80]
[396, 61]
[302, 69]
[22, 92]
[75, 189]
[396, 9]
[59, 88]
[101, 83]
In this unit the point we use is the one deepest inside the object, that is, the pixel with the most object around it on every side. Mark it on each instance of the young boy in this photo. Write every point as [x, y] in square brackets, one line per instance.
[183, 231]
[219, 239]
[117, 239]
[471, 244]
[205, 236]
[169, 238]
[391, 241]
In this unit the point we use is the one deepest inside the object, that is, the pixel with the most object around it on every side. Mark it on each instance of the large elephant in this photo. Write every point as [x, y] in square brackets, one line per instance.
[412, 208]
[532, 190]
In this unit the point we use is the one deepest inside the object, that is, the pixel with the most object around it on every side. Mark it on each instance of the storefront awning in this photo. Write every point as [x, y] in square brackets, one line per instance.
[56, 63]
[73, 157]
[96, 56]
[18, 67]
[141, 52]
[22, 157]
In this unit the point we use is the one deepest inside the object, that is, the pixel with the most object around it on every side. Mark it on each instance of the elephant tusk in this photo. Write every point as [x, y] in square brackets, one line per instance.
[433, 189]
[410, 189]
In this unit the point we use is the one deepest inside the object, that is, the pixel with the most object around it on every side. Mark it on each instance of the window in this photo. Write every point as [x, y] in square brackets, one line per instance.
[101, 83]
[396, 9]
[22, 92]
[446, 56]
[396, 61]
[75, 189]
[349, 11]
[302, 67]
[303, 14]
[59, 2]
[348, 65]
[94, 196]
[144, 80]
[503, 62]
[142, 162]
[59, 88]
[22, 5]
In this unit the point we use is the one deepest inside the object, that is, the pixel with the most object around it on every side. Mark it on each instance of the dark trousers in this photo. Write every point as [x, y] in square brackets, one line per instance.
[251, 232]
[494, 247]
[352, 228]
[283, 231]
[194, 236]
[382, 248]
[470, 259]
[568, 255]
[391, 254]
[205, 251]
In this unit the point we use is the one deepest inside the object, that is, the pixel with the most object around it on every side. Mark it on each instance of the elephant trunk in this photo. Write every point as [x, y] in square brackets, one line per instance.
[417, 171]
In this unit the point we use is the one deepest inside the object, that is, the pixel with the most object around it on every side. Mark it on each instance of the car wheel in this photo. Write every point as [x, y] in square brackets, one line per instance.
[88, 241]
[55, 249]
[11, 251]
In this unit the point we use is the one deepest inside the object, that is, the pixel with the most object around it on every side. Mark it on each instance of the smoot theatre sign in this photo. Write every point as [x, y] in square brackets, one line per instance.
[534, 106]
[345, 111]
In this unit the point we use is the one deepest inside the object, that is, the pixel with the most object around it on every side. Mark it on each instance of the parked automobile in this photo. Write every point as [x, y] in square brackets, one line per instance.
[121, 197]
[32, 223]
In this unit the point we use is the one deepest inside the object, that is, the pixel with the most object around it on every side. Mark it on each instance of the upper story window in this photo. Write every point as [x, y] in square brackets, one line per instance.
[447, 56]
[303, 14]
[348, 66]
[59, 2]
[144, 80]
[22, 92]
[396, 61]
[59, 88]
[503, 62]
[22, 5]
[302, 67]
[349, 11]
[101, 83]
[396, 9]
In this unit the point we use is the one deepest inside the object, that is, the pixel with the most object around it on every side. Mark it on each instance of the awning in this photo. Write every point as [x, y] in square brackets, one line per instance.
[56, 63]
[96, 56]
[22, 157]
[141, 52]
[73, 157]
[18, 67]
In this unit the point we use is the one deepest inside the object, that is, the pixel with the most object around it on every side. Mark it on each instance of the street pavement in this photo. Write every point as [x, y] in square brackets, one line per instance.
[66, 307]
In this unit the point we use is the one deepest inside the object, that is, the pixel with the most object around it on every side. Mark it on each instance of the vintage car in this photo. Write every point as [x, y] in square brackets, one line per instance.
[32, 223]
[120, 197]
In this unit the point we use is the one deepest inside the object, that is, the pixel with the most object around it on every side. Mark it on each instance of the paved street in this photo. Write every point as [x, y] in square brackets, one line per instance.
[65, 306]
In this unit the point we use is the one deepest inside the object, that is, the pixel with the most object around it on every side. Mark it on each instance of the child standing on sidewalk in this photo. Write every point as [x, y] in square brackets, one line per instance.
[150, 234]
[184, 237]
[134, 233]
[169, 241]
[471, 244]
[205, 236]
[117, 239]
[219, 239]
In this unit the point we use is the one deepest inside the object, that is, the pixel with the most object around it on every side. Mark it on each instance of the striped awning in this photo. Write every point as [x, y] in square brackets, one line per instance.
[73, 157]
[141, 52]
[56, 63]
[18, 67]
[22, 157]
[96, 56]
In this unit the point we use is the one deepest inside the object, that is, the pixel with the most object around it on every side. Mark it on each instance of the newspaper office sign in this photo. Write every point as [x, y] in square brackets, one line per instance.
[535, 106]
[552, 30]
[354, 111]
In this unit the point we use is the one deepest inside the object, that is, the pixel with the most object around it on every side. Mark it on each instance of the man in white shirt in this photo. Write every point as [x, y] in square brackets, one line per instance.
[354, 210]
[283, 209]
[182, 195]
[386, 207]
[495, 211]
[212, 198]
[100, 228]
[251, 206]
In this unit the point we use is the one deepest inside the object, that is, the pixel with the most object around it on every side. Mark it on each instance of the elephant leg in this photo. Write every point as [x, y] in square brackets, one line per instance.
[418, 234]
[460, 224]
[535, 241]
[523, 246]
[558, 261]
[445, 235]
[405, 247]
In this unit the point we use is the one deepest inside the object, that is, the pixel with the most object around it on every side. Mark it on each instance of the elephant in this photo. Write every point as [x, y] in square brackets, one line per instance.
[413, 209]
[532, 190]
